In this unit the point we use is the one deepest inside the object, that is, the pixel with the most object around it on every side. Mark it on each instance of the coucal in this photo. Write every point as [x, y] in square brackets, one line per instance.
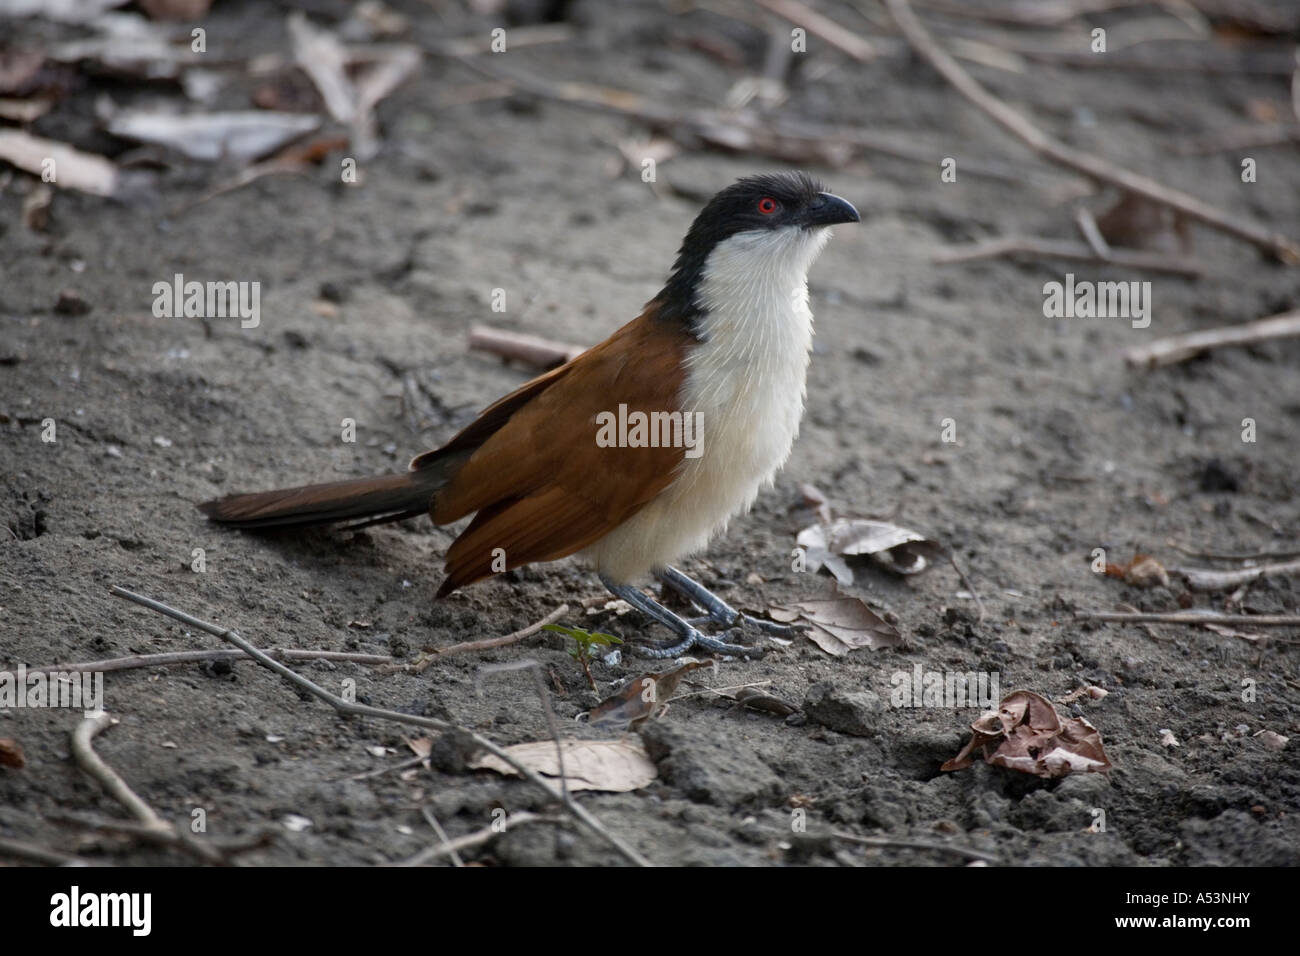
[635, 453]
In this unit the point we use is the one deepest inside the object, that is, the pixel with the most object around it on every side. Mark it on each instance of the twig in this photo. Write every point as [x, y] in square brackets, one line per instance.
[818, 25]
[39, 854]
[1179, 348]
[553, 725]
[135, 661]
[442, 835]
[1192, 617]
[177, 837]
[1207, 579]
[1069, 250]
[1220, 556]
[953, 848]
[730, 130]
[530, 349]
[365, 710]
[477, 838]
[1095, 167]
[1087, 224]
[952, 559]
[84, 753]
[466, 647]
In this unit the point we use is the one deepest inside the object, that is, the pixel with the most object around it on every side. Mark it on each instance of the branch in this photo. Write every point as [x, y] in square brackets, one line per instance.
[1193, 617]
[579, 812]
[1179, 348]
[1095, 167]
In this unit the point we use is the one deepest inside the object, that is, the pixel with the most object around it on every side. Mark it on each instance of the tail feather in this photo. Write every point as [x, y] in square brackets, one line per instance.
[385, 498]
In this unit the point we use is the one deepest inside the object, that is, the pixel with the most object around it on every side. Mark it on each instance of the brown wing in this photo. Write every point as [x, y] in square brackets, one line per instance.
[542, 486]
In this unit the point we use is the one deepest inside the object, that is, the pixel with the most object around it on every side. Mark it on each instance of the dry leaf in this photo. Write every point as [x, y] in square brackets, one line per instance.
[839, 625]
[1140, 223]
[87, 172]
[241, 135]
[1270, 739]
[1090, 691]
[614, 766]
[11, 753]
[643, 698]
[897, 549]
[1167, 738]
[1026, 734]
[1143, 571]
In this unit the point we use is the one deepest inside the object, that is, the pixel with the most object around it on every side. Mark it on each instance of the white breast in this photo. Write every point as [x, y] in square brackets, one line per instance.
[747, 380]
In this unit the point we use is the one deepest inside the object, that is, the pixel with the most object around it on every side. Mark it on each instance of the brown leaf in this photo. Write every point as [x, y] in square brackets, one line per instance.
[642, 698]
[1140, 223]
[11, 753]
[1026, 734]
[840, 625]
[614, 766]
[897, 549]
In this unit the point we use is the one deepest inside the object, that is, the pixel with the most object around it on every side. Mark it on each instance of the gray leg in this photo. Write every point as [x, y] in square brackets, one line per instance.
[689, 637]
[718, 610]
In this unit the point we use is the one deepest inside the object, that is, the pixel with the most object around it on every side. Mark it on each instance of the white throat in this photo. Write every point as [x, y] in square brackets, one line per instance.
[746, 379]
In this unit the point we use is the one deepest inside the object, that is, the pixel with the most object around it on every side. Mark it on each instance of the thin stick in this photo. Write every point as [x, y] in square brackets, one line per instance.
[1095, 167]
[965, 851]
[952, 559]
[529, 349]
[1208, 579]
[1179, 348]
[1012, 246]
[1193, 617]
[117, 788]
[478, 838]
[216, 654]
[39, 854]
[1087, 224]
[487, 643]
[1220, 556]
[364, 710]
[818, 25]
[442, 835]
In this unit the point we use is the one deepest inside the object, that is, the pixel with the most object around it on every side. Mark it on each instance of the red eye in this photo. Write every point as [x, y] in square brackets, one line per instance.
[767, 206]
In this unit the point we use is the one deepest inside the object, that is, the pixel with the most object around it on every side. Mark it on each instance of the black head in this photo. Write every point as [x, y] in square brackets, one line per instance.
[767, 202]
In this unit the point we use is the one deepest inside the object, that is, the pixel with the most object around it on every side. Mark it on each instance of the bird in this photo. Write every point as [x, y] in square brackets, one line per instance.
[637, 452]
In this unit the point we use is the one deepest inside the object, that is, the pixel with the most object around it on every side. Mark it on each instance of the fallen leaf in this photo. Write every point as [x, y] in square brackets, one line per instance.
[614, 766]
[894, 548]
[1090, 691]
[1026, 734]
[74, 169]
[1167, 738]
[839, 625]
[642, 698]
[241, 135]
[11, 753]
[1143, 571]
[1269, 738]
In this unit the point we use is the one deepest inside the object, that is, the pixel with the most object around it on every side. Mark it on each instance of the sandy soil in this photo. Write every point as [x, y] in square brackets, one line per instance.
[1060, 449]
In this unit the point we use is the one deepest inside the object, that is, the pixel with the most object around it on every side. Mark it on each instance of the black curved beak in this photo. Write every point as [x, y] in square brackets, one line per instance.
[828, 210]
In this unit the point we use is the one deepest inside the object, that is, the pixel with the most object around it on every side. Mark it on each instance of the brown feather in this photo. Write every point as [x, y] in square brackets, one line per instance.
[542, 486]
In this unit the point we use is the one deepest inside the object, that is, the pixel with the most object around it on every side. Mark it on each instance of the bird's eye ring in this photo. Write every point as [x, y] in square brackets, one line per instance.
[767, 206]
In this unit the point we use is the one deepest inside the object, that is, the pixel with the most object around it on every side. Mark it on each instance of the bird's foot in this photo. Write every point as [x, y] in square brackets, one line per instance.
[696, 640]
[739, 618]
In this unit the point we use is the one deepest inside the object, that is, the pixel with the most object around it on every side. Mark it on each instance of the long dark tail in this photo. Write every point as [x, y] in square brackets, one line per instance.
[381, 499]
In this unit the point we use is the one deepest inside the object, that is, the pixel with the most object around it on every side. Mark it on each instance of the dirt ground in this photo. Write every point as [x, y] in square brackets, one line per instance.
[367, 295]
